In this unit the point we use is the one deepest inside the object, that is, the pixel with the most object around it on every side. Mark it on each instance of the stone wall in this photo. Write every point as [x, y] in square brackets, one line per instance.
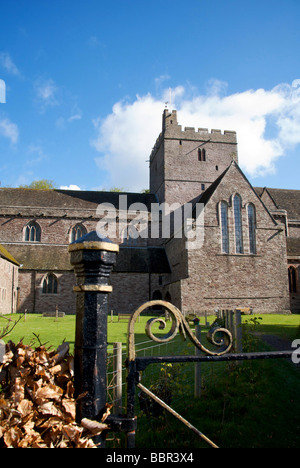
[218, 280]
[176, 174]
[8, 287]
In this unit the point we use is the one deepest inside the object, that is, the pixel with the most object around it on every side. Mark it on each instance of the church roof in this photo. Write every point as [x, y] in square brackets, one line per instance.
[5, 254]
[284, 199]
[68, 199]
[293, 246]
[57, 258]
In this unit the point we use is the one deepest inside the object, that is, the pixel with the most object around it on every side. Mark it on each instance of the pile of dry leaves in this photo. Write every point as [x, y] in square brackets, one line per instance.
[37, 405]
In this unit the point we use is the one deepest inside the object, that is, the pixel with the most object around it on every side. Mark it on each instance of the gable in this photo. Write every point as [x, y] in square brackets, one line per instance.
[268, 200]
[233, 181]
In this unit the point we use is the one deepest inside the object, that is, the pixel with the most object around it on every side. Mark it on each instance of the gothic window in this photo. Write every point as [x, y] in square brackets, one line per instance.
[251, 228]
[201, 154]
[157, 295]
[32, 232]
[224, 226]
[78, 231]
[292, 279]
[237, 207]
[49, 285]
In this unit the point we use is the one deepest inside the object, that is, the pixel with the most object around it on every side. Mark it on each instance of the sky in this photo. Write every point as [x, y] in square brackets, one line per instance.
[83, 85]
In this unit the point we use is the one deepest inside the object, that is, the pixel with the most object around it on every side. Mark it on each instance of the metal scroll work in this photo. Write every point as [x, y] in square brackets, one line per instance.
[218, 336]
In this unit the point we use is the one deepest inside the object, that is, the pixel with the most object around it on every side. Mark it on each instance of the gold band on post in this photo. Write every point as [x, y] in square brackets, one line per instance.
[92, 287]
[94, 245]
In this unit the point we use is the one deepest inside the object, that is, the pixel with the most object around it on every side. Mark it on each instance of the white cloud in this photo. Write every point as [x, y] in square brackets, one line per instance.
[125, 139]
[7, 63]
[69, 187]
[9, 130]
[46, 93]
[267, 123]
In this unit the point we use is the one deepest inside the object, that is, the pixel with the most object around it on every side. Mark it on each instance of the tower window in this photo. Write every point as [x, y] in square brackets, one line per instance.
[32, 232]
[49, 284]
[217, 168]
[237, 206]
[202, 186]
[201, 154]
[251, 228]
[224, 227]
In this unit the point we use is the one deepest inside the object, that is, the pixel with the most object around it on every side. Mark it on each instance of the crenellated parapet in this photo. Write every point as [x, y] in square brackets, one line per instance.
[172, 130]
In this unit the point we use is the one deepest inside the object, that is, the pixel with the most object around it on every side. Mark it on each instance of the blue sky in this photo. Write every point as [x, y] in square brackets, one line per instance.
[87, 81]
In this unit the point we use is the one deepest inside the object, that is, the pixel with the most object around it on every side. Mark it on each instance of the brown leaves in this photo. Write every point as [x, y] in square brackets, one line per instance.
[37, 405]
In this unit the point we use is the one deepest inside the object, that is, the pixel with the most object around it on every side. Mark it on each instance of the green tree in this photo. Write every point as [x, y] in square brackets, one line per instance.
[43, 184]
[116, 189]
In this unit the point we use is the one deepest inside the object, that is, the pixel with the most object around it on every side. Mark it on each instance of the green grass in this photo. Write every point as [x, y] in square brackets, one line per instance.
[283, 325]
[252, 404]
[54, 332]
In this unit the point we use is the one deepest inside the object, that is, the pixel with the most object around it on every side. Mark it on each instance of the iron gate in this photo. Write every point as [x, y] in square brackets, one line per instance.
[218, 336]
[93, 260]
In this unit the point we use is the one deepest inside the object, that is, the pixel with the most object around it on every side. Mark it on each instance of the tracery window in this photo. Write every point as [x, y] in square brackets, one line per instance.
[78, 231]
[251, 228]
[224, 226]
[49, 285]
[237, 207]
[32, 232]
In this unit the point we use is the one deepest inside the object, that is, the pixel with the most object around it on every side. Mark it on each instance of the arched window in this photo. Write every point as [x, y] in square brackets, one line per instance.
[78, 231]
[237, 207]
[201, 154]
[224, 226]
[292, 279]
[157, 295]
[251, 228]
[32, 232]
[49, 285]
[168, 297]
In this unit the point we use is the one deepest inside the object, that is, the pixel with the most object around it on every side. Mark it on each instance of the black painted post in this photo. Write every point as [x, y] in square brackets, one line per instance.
[93, 259]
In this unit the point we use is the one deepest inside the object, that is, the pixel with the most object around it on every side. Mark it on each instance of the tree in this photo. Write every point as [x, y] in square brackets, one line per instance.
[43, 184]
[116, 189]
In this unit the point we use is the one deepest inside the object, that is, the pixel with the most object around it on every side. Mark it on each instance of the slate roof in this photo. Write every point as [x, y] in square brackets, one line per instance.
[284, 199]
[57, 258]
[293, 246]
[68, 199]
[5, 254]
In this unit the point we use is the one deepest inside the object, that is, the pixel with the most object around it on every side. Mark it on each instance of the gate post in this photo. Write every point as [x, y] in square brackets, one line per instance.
[93, 259]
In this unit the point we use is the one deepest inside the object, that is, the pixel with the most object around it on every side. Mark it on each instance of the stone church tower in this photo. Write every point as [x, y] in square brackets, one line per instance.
[184, 163]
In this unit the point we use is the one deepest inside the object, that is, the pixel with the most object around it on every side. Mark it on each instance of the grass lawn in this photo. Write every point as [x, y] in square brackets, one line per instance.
[55, 331]
[252, 404]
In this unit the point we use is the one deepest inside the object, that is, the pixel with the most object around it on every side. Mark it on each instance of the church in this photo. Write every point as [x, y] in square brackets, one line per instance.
[245, 251]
